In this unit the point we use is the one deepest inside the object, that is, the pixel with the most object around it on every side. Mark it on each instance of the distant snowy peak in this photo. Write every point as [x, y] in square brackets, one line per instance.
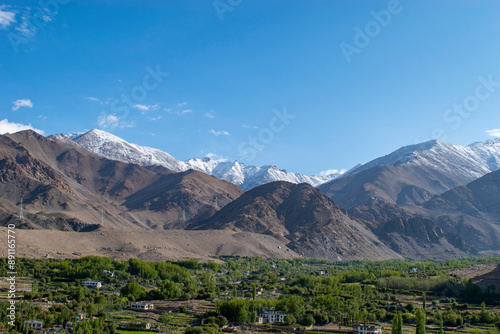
[245, 176]
[467, 161]
[115, 148]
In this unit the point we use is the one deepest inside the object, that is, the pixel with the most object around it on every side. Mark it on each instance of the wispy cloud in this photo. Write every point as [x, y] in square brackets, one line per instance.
[111, 121]
[250, 126]
[7, 17]
[11, 127]
[332, 171]
[210, 114]
[219, 133]
[27, 27]
[493, 132]
[146, 107]
[93, 99]
[22, 103]
[177, 110]
[216, 157]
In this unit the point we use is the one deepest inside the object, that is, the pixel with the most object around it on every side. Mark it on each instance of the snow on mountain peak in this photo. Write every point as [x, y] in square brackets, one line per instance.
[245, 176]
[465, 161]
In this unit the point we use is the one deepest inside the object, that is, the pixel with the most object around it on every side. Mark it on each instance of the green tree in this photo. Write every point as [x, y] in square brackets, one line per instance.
[397, 324]
[194, 330]
[424, 301]
[310, 320]
[290, 319]
[133, 291]
[441, 326]
[420, 319]
[221, 321]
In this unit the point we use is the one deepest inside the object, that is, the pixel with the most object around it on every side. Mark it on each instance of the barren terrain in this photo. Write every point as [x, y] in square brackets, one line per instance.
[147, 245]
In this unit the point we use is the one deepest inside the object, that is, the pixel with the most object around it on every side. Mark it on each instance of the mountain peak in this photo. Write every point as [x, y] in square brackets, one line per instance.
[245, 176]
[100, 134]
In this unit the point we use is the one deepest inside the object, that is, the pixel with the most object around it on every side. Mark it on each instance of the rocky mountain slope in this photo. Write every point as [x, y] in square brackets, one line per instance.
[414, 174]
[488, 279]
[420, 238]
[471, 211]
[311, 224]
[415, 206]
[67, 182]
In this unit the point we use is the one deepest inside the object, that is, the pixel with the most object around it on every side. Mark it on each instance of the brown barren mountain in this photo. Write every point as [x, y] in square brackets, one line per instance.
[489, 279]
[64, 184]
[420, 238]
[311, 223]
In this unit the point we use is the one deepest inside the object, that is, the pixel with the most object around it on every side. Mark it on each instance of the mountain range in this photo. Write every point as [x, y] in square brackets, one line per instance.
[431, 200]
[245, 176]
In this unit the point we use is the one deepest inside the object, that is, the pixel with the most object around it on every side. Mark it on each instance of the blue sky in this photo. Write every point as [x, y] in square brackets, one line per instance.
[358, 79]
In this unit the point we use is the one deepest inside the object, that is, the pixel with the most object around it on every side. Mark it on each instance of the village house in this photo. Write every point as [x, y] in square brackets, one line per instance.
[141, 306]
[37, 326]
[92, 284]
[269, 316]
[360, 329]
[80, 317]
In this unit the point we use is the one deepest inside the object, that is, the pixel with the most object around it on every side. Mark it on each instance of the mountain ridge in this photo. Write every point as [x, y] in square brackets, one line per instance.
[243, 175]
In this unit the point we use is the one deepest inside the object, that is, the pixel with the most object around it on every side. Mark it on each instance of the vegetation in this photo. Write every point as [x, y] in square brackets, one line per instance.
[235, 290]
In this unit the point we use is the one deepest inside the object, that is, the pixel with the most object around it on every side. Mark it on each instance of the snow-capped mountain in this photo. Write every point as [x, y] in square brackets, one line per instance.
[465, 162]
[115, 148]
[248, 176]
[245, 176]
[414, 174]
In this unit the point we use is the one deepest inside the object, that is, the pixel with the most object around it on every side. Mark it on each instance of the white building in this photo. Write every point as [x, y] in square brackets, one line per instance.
[141, 306]
[37, 326]
[269, 316]
[92, 284]
[360, 329]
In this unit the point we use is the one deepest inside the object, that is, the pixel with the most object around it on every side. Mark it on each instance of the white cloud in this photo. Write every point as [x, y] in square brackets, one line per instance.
[6, 17]
[178, 112]
[216, 157]
[111, 121]
[210, 114]
[22, 103]
[26, 28]
[219, 133]
[182, 104]
[11, 127]
[332, 171]
[250, 126]
[494, 132]
[146, 107]
[93, 99]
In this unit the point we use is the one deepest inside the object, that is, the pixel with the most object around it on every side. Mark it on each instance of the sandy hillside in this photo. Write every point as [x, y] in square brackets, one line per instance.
[147, 245]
